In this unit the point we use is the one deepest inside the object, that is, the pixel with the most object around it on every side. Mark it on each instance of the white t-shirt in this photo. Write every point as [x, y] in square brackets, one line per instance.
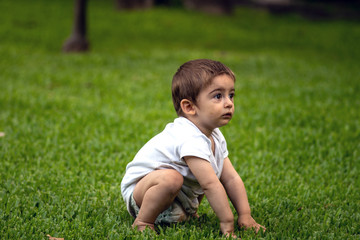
[166, 151]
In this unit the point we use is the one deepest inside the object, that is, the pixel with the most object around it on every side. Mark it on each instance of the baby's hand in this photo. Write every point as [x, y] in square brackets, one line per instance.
[246, 221]
[228, 230]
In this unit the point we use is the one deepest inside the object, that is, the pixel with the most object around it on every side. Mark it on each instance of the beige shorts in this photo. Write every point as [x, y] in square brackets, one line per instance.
[175, 213]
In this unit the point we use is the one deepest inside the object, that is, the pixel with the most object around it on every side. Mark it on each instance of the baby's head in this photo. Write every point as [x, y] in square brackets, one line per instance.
[192, 77]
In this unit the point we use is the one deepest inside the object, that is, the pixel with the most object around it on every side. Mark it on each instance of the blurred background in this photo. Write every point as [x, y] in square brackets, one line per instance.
[311, 9]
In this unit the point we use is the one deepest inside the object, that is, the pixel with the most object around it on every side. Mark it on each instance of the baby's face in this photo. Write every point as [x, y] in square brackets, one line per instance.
[215, 103]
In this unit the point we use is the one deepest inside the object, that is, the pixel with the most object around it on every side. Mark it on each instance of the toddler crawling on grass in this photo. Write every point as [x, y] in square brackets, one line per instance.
[170, 174]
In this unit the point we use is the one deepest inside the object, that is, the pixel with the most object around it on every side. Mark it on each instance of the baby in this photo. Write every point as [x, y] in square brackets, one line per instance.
[169, 176]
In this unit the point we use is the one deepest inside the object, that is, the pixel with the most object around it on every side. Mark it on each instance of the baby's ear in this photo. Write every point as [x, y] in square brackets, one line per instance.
[187, 107]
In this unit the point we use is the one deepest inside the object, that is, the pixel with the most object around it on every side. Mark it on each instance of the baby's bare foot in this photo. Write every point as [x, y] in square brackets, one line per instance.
[141, 226]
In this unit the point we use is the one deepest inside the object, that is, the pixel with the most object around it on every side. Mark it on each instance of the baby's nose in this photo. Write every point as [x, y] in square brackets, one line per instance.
[228, 102]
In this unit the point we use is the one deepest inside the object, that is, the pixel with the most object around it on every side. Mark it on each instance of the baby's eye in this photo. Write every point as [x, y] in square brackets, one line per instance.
[231, 95]
[218, 96]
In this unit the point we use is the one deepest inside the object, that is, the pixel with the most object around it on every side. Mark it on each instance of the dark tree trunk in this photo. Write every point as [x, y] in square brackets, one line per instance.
[220, 7]
[77, 42]
[134, 4]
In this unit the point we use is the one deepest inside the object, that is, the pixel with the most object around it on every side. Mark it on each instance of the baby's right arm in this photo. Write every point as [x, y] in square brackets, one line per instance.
[214, 191]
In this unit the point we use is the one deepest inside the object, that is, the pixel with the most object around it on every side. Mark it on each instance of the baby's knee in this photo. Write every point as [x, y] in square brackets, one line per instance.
[173, 181]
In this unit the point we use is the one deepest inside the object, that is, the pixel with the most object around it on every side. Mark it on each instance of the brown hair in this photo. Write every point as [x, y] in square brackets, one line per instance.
[192, 77]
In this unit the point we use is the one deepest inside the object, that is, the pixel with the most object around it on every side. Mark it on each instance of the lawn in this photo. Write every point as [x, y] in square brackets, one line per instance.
[70, 123]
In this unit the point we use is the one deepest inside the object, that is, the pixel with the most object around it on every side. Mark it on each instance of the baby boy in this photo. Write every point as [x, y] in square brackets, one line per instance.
[171, 173]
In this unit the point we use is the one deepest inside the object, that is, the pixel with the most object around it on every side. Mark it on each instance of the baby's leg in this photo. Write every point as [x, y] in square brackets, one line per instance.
[155, 193]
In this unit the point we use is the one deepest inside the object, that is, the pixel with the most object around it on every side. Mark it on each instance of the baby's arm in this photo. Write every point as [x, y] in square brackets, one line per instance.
[214, 191]
[235, 189]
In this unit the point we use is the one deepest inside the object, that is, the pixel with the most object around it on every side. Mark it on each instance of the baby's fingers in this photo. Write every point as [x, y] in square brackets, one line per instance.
[257, 227]
[232, 235]
[262, 228]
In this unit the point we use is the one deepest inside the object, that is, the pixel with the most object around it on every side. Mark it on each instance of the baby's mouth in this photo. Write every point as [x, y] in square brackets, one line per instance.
[227, 115]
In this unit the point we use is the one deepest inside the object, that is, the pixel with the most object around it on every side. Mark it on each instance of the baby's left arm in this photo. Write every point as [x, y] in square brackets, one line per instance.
[235, 189]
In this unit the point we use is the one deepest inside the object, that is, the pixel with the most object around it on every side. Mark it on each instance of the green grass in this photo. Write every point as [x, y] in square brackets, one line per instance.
[73, 121]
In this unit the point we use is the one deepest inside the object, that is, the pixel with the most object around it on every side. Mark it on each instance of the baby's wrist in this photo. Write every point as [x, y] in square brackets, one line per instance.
[244, 215]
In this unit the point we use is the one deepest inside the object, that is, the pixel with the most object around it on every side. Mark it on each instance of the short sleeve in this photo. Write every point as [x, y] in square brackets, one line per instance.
[197, 146]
